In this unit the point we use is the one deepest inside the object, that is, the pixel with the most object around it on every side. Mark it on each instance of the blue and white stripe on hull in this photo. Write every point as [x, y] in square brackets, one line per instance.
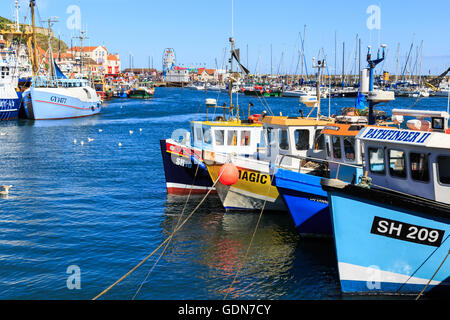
[389, 244]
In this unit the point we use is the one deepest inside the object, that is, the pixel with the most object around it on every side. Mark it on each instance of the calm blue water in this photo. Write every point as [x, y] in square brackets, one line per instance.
[104, 208]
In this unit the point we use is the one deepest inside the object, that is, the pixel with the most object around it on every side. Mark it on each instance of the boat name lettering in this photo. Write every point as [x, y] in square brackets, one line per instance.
[9, 103]
[58, 99]
[253, 177]
[318, 200]
[407, 232]
[396, 135]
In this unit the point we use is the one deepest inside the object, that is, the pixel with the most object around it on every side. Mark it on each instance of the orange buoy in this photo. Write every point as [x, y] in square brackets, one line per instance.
[228, 174]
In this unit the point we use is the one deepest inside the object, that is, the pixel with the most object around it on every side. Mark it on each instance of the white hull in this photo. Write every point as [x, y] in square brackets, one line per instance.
[61, 103]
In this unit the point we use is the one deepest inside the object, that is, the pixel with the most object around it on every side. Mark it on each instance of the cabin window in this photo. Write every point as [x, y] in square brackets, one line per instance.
[336, 141]
[397, 163]
[245, 138]
[220, 137]
[207, 135]
[327, 146]
[232, 138]
[419, 166]
[319, 140]
[376, 160]
[301, 139]
[349, 148]
[284, 141]
[444, 169]
[198, 134]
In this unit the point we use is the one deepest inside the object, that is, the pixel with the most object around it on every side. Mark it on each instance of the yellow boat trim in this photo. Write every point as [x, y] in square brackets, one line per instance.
[295, 121]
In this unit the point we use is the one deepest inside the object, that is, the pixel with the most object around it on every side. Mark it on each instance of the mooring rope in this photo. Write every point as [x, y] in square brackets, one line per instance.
[168, 243]
[429, 281]
[163, 243]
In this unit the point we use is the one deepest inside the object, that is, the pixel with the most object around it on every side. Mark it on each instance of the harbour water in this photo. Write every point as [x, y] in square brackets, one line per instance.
[102, 208]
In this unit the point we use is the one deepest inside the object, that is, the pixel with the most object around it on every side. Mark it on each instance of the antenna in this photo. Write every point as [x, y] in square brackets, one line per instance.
[50, 21]
[81, 37]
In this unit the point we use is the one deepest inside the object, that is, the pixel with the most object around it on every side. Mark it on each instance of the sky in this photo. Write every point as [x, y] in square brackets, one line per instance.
[267, 32]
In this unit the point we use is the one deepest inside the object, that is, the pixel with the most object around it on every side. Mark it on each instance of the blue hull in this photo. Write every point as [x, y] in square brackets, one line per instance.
[9, 108]
[388, 246]
[183, 176]
[306, 201]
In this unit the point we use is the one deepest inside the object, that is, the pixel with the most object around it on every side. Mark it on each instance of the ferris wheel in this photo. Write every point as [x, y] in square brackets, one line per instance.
[168, 61]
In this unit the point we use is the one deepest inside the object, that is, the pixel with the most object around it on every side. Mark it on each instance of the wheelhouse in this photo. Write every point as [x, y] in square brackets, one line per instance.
[289, 138]
[416, 162]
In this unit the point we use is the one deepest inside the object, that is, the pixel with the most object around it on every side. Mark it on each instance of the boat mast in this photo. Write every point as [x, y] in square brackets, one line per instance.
[52, 71]
[320, 64]
[35, 58]
[17, 15]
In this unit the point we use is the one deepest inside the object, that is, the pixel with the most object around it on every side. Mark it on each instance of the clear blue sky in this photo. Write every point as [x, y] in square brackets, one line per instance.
[198, 30]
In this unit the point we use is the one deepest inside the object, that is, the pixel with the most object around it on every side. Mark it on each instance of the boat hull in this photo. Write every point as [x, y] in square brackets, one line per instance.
[389, 244]
[51, 104]
[306, 201]
[252, 191]
[183, 175]
[9, 108]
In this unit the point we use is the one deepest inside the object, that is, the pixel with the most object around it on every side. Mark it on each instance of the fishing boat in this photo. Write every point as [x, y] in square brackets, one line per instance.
[286, 141]
[54, 96]
[141, 93]
[10, 97]
[184, 154]
[391, 229]
[302, 191]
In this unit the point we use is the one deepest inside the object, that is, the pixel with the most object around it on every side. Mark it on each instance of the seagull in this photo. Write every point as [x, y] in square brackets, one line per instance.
[74, 141]
[140, 129]
[120, 144]
[131, 131]
[90, 139]
[100, 130]
[82, 142]
[5, 190]
[3, 133]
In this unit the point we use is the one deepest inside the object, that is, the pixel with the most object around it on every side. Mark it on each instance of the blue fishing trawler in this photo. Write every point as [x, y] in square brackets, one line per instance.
[391, 229]
[301, 191]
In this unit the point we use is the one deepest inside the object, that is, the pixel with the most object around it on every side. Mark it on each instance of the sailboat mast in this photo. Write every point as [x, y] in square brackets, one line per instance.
[35, 58]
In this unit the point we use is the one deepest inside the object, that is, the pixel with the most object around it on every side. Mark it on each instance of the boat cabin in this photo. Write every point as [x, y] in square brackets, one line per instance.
[227, 135]
[343, 150]
[414, 160]
[290, 138]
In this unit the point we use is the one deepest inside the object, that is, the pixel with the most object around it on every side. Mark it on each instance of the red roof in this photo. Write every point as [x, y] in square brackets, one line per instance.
[112, 57]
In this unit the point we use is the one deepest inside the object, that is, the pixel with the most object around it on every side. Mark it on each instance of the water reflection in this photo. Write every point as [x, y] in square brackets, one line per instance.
[214, 244]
